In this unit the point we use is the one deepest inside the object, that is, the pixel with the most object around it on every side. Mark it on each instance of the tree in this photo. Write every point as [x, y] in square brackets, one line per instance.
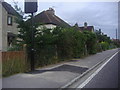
[90, 41]
[104, 45]
[102, 37]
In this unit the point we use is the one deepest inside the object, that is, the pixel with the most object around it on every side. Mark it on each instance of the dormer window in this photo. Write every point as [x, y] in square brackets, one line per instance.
[9, 20]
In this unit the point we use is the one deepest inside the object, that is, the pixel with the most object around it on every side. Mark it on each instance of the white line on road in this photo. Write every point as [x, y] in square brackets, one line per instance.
[96, 72]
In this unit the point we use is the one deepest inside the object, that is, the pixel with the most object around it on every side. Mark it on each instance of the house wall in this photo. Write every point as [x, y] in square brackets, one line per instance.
[49, 26]
[7, 28]
[0, 45]
[119, 20]
[92, 29]
[4, 32]
[0, 26]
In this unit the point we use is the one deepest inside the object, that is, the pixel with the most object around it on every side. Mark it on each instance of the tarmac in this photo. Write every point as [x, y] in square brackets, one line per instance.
[58, 75]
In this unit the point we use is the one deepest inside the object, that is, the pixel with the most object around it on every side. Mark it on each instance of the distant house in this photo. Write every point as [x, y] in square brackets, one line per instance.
[87, 28]
[8, 27]
[76, 26]
[49, 20]
[84, 28]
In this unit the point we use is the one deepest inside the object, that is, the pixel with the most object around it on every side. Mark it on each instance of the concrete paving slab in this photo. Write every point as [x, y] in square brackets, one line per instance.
[92, 59]
[43, 80]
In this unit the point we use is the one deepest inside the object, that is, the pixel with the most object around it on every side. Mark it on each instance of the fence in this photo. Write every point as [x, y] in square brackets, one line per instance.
[13, 62]
[10, 55]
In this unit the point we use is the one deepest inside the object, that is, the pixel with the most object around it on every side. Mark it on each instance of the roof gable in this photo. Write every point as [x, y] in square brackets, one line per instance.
[9, 8]
[89, 28]
[48, 18]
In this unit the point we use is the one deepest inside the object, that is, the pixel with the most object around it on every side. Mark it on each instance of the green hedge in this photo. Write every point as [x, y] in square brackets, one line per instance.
[62, 44]
[104, 45]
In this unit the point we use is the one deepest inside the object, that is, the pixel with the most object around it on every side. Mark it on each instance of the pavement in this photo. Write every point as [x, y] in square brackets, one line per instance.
[57, 75]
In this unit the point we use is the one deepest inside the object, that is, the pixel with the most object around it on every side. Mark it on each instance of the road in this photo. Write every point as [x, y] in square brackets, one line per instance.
[107, 77]
[57, 75]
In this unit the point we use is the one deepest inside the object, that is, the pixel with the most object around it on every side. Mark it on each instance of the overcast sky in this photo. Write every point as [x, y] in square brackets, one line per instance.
[103, 15]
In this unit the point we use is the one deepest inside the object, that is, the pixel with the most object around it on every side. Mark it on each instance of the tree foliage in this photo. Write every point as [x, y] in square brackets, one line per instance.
[90, 42]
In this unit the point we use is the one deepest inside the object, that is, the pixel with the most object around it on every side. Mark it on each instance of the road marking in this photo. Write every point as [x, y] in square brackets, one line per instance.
[96, 72]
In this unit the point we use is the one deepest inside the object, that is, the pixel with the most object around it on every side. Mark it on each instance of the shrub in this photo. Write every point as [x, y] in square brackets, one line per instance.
[91, 42]
[98, 47]
[105, 45]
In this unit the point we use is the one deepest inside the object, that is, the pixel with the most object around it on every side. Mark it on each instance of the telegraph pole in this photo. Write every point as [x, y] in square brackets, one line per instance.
[32, 44]
[116, 34]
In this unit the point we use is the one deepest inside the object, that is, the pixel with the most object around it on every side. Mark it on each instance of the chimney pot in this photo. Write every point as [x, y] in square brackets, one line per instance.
[85, 25]
[51, 11]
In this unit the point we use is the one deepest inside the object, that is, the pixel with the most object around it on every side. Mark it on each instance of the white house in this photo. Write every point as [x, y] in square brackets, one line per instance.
[49, 20]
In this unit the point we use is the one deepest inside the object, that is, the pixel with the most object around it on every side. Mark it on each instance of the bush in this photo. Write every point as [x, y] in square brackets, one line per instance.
[64, 44]
[71, 43]
[99, 47]
[91, 42]
[112, 46]
[78, 44]
[45, 56]
[14, 48]
[104, 45]
[59, 45]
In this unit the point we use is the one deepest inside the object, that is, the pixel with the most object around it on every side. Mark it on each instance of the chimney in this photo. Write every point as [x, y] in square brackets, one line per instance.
[51, 11]
[85, 25]
[99, 31]
[76, 25]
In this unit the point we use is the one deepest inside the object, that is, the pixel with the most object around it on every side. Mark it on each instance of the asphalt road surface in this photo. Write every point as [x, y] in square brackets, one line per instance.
[108, 75]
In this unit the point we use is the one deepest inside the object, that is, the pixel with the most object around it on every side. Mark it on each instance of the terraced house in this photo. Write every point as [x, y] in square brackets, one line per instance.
[8, 27]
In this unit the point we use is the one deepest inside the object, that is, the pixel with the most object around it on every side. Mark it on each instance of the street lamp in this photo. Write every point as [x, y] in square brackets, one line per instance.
[31, 7]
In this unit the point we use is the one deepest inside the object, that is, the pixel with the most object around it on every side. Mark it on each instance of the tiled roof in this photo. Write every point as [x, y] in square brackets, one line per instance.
[89, 28]
[9, 8]
[46, 17]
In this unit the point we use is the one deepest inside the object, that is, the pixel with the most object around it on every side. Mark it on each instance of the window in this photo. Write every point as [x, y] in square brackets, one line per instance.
[10, 38]
[9, 21]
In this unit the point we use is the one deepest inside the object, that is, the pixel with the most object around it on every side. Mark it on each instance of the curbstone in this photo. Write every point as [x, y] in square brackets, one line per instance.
[86, 72]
